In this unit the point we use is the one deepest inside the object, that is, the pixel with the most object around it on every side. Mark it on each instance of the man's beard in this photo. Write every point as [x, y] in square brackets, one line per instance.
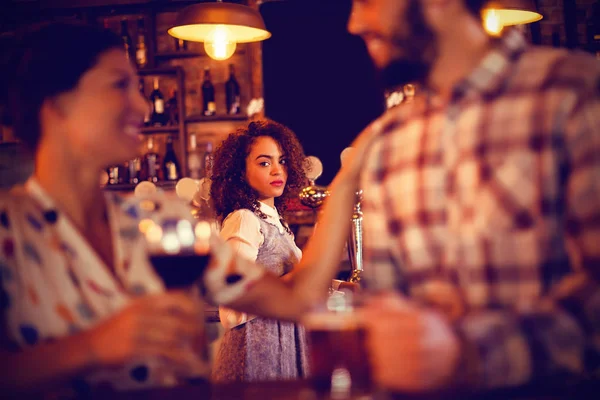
[418, 52]
[403, 71]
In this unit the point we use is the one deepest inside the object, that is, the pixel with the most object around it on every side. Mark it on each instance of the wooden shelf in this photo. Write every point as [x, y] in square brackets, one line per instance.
[130, 186]
[215, 118]
[153, 130]
[170, 55]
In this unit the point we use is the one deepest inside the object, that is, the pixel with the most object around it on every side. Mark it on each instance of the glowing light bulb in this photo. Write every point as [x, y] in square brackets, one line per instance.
[492, 22]
[220, 45]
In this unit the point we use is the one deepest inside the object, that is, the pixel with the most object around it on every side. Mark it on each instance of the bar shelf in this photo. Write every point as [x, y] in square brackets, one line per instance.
[171, 55]
[121, 187]
[154, 130]
[215, 118]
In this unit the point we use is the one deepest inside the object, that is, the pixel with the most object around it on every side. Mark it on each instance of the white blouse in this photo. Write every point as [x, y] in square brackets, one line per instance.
[241, 230]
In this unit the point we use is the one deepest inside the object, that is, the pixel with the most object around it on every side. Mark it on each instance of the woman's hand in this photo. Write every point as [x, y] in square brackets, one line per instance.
[349, 286]
[161, 326]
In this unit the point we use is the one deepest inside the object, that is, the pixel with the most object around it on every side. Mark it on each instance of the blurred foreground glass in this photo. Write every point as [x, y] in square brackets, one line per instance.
[177, 242]
[178, 246]
[339, 362]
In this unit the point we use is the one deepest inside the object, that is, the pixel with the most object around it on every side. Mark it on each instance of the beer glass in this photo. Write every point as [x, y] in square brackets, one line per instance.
[339, 361]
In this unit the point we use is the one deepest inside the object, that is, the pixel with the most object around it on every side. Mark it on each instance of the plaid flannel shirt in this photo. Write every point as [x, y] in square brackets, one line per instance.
[496, 194]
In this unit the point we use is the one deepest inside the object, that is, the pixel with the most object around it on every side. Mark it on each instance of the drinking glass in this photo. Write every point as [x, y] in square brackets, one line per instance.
[177, 242]
[339, 361]
[178, 247]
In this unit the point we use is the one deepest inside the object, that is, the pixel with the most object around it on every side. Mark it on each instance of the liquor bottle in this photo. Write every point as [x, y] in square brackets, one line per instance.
[180, 45]
[117, 174]
[173, 109]
[141, 53]
[142, 89]
[127, 43]
[232, 91]
[133, 169]
[158, 117]
[209, 106]
[199, 158]
[171, 171]
[151, 163]
[113, 175]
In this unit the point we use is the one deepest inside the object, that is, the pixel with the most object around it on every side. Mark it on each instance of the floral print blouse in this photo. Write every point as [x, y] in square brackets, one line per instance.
[53, 284]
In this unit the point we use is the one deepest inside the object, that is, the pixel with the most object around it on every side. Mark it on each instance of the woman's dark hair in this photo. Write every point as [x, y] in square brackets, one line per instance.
[229, 189]
[44, 63]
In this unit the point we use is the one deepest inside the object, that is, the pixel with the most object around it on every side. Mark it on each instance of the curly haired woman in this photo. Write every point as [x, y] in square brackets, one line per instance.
[255, 170]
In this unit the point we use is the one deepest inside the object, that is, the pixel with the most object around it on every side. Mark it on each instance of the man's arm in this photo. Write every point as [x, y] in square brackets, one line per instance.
[267, 295]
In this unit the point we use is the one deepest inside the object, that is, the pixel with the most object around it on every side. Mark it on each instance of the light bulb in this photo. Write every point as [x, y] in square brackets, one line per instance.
[492, 23]
[219, 45]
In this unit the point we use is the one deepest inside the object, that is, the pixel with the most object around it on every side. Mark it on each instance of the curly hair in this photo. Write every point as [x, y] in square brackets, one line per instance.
[229, 189]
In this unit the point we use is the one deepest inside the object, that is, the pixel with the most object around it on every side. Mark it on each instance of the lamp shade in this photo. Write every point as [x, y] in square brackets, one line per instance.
[197, 23]
[514, 12]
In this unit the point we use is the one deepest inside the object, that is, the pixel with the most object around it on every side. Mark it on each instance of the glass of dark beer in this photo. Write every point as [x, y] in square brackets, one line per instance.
[339, 363]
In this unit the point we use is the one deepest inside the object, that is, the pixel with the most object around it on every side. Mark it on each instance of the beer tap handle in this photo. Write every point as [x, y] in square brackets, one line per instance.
[355, 239]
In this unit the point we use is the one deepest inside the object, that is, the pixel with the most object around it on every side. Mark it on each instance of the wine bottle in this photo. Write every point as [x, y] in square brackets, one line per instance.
[158, 117]
[171, 171]
[133, 169]
[209, 106]
[151, 163]
[232, 92]
[199, 158]
[127, 43]
[173, 109]
[142, 89]
[141, 54]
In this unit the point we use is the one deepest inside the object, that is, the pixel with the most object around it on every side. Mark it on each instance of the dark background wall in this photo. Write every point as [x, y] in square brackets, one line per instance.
[318, 79]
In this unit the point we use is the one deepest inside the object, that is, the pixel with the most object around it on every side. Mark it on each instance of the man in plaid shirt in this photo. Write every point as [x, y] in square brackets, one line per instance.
[481, 200]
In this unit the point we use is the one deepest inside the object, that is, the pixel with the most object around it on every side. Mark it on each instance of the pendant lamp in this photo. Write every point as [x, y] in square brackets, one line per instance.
[220, 26]
[500, 13]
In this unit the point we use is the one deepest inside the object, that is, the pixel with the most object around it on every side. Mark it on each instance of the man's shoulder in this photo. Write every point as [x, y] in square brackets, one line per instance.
[395, 118]
[544, 68]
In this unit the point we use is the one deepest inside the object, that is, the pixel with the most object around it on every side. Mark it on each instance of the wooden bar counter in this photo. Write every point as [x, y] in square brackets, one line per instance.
[301, 390]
